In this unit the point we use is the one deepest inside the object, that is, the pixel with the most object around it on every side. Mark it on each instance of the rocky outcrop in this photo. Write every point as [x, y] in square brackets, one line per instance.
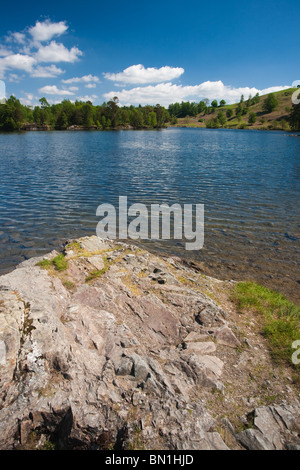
[269, 423]
[35, 127]
[126, 350]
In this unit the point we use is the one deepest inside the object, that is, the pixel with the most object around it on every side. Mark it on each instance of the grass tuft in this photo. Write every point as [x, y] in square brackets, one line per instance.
[280, 318]
[45, 263]
[59, 263]
[98, 272]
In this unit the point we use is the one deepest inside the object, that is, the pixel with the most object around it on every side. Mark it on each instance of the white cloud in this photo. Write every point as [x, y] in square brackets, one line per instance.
[4, 51]
[87, 98]
[138, 74]
[20, 61]
[53, 90]
[25, 50]
[46, 72]
[16, 61]
[166, 93]
[20, 38]
[14, 78]
[47, 30]
[73, 88]
[57, 52]
[84, 79]
[28, 101]
[90, 85]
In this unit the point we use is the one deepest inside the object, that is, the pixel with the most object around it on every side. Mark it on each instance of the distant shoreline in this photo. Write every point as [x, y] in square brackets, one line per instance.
[90, 129]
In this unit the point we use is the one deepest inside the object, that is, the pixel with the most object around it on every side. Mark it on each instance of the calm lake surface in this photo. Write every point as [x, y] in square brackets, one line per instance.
[249, 181]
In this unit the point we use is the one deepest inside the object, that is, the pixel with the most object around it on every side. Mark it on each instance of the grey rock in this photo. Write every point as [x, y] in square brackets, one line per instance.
[126, 367]
[225, 336]
[273, 428]
[210, 315]
[253, 439]
[141, 369]
[206, 347]
[88, 366]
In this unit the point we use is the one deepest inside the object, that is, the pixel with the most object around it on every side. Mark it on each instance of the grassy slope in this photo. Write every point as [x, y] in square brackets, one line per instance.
[278, 119]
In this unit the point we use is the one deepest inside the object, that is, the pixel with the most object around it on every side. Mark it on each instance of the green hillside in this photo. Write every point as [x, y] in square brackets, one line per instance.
[251, 113]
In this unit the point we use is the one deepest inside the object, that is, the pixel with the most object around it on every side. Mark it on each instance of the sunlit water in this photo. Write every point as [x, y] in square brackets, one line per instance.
[249, 181]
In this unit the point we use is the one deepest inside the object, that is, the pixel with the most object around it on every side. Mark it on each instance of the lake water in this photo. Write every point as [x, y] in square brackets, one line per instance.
[249, 181]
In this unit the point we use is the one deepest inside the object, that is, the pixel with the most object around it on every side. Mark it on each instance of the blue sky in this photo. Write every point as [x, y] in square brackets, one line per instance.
[148, 52]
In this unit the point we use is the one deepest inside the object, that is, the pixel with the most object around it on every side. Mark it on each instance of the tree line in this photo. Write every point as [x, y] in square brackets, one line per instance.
[15, 116]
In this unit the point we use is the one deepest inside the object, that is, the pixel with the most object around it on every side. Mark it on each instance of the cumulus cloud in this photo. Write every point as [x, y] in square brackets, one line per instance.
[84, 79]
[138, 74]
[16, 61]
[53, 90]
[33, 47]
[57, 52]
[46, 72]
[90, 85]
[44, 31]
[167, 93]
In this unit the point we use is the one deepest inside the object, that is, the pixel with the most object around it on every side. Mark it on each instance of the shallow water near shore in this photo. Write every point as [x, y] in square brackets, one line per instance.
[249, 181]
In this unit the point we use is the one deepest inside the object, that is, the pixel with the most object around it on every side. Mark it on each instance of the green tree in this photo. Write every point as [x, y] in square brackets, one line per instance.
[44, 103]
[229, 113]
[238, 111]
[222, 103]
[103, 122]
[62, 121]
[255, 99]
[87, 114]
[270, 103]
[113, 109]
[201, 107]
[161, 115]
[294, 118]
[152, 120]
[252, 118]
[213, 123]
[222, 118]
[214, 104]
[10, 125]
[136, 119]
